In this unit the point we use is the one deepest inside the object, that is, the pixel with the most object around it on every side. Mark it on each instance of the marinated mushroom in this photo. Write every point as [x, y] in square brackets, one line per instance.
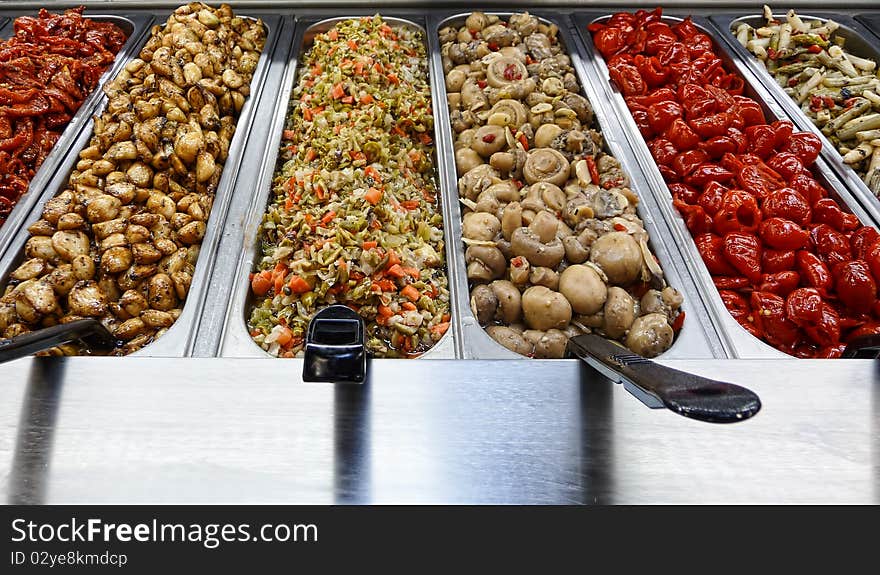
[526, 243]
[546, 165]
[543, 193]
[545, 309]
[620, 312]
[583, 288]
[650, 335]
[484, 302]
[619, 256]
[509, 301]
[509, 339]
[550, 344]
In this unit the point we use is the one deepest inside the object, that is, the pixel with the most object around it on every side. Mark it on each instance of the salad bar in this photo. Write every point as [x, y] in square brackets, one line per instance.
[492, 196]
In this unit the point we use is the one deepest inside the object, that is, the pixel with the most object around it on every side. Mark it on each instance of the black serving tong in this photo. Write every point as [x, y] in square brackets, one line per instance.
[89, 330]
[865, 347]
[684, 393]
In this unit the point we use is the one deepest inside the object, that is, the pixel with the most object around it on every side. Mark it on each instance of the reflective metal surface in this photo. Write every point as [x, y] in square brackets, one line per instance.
[141, 430]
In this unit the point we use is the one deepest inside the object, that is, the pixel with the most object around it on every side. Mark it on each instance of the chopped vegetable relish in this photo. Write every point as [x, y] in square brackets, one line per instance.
[354, 217]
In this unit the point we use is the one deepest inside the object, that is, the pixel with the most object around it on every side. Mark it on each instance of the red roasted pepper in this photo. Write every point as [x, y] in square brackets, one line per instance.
[782, 234]
[789, 204]
[780, 283]
[855, 286]
[743, 251]
[710, 248]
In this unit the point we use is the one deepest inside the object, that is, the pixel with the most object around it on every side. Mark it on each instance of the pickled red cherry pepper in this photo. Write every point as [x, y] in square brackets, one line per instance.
[791, 266]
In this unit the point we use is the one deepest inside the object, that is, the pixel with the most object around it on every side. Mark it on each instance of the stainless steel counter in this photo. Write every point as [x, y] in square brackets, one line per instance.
[90, 430]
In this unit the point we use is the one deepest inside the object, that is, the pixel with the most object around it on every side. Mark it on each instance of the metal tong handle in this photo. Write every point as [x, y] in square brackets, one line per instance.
[684, 393]
[864, 347]
[42, 339]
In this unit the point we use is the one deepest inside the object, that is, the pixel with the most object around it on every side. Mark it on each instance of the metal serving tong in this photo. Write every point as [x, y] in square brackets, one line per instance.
[684, 393]
[89, 330]
[865, 347]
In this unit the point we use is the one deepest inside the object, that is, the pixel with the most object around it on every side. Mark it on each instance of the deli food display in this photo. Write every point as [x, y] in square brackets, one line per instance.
[121, 241]
[50, 64]
[354, 217]
[456, 178]
[792, 266]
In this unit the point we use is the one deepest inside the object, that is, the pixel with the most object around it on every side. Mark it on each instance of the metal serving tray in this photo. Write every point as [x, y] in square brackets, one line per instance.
[857, 41]
[136, 28]
[737, 341]
[697, 339]
[235, 340]
[178, 341]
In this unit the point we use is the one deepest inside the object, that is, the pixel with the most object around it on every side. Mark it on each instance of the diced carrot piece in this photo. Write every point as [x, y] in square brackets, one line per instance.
[311, 154]
[410, 204]
[278, 282]
[348, 100]
[425, 138]
[440, 328]
[333, 34]
[288, 134]
[385, 311]
[353, 45]
[261, 283]
[395, 271]
[409, 306]
[337, 91]
[373, 196]
[328, 217]
[298, 285]
[285, 336]
[393, 258]
[386, 285]
[367, 99]
[412, 272]
[371, 172]
[410, 293]
[393, 78]
[307, 114]
[369, 245]
[445, 317]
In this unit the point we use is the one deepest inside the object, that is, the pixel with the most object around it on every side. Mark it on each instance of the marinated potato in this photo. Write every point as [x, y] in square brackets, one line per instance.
[120, 243]
[553, 239]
